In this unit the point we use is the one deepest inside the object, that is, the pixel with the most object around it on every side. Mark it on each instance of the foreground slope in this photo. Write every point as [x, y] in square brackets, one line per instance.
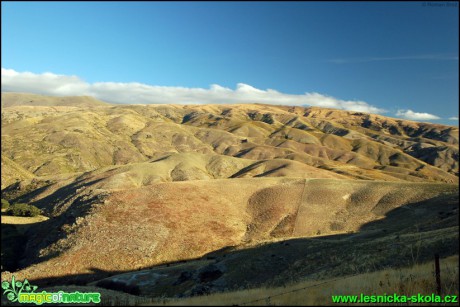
[115, 230]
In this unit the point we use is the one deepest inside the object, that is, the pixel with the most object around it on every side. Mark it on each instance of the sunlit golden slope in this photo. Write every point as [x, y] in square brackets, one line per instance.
[48, 140]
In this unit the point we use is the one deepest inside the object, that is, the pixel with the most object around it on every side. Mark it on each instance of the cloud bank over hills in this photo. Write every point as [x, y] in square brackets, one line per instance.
[138, 93]
[409, 114]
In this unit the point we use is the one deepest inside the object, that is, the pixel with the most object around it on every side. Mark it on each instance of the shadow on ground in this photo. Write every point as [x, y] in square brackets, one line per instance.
[407, 235]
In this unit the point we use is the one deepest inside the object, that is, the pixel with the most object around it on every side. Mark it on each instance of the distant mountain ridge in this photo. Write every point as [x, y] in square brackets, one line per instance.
[50, 135]
[22, 99]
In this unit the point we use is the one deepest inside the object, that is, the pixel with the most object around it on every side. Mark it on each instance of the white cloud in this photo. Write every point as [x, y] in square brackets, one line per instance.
[138, 93]
[409, 114]
[46, 83]
[453, 118]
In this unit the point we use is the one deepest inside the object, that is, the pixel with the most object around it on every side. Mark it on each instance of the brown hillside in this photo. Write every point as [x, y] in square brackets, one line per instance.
[64, 139]
[126, 229]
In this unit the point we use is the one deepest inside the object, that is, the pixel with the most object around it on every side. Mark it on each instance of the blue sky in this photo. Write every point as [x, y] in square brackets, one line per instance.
[399, 59]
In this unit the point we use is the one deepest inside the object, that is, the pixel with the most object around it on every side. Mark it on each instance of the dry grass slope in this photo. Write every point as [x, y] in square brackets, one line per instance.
[46, 137]
[405, 281]
[184, 220]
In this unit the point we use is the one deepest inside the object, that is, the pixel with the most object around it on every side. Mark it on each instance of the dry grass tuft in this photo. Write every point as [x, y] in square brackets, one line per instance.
[406, 281]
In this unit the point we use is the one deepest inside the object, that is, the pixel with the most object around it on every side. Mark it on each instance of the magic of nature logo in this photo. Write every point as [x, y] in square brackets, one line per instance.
[24, 292]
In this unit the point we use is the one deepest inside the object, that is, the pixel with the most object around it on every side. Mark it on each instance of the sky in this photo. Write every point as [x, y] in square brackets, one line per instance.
[397, 59]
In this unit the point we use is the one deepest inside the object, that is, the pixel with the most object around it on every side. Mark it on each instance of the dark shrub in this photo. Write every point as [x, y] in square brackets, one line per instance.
[210, 273]
[23, 210]
[200, 290]
[184, 276]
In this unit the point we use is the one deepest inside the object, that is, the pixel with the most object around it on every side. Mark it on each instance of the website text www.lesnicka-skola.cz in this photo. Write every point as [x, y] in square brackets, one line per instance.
[395, 298]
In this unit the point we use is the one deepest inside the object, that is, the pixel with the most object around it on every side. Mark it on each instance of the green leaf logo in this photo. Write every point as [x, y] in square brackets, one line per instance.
[15, 288]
